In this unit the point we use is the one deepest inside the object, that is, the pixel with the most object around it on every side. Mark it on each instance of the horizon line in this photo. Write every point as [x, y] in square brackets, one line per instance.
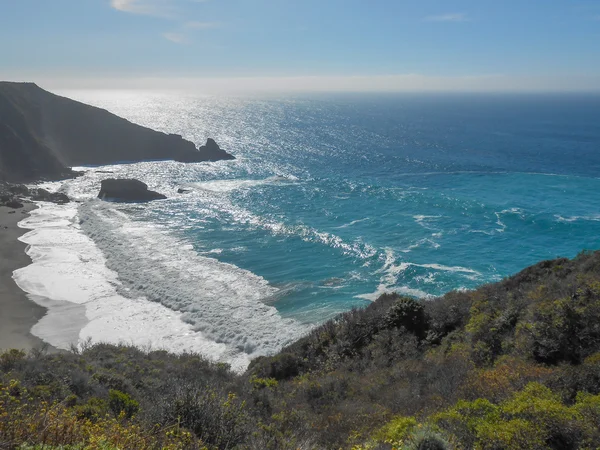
[400, 83]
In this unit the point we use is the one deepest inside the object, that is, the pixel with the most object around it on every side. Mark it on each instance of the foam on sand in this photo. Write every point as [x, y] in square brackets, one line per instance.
[110, 279]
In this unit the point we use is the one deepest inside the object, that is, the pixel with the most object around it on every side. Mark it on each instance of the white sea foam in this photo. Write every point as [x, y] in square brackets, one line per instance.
[422, 219]
[383, 289]
[236, 184]
[354, 222]
[592, 218]
[97, 270]
[448, 268]
[218, 202]
[392, 270]
[218, 299]
[424, 241]
[500, 223]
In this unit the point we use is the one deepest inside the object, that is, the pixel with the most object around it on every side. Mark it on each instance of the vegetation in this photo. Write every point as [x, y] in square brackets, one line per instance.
[511, 365]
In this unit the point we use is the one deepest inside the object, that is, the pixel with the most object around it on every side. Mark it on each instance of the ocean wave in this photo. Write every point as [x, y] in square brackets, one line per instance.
[441, 267]
[514, 211]
[591, 218]
[392, 270]
[422, 242]
[68, 276]
[354, 222]
[403, 290]
[196, 303]
[236, 184]
[423, 219]
[492, 172]
[213, 199]
[220, 300]
[306, 233]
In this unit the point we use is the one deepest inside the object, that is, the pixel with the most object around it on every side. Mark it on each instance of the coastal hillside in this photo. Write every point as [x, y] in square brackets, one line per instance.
[42, 135]
[510, 365]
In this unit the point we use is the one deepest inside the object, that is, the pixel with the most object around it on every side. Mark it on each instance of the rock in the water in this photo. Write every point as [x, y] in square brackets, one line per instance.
[127, 190]
[183, 191]
[212, 152]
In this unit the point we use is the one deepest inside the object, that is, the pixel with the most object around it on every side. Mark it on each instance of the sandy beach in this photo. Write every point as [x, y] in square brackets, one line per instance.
[17, 313]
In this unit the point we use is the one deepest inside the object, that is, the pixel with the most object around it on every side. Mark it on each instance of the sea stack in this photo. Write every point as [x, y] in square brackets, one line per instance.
[127, 190]
[212, 152]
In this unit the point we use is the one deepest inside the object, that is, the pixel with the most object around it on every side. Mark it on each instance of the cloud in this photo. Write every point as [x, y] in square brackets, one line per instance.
[450, 17]
[177, 38]
[166, 9]
[195, 25]
[158, 8]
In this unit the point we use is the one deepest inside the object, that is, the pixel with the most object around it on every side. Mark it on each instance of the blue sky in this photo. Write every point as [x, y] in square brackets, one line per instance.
[307, 44]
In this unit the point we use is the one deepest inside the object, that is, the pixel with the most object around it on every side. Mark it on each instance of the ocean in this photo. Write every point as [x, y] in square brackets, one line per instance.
[332, 201]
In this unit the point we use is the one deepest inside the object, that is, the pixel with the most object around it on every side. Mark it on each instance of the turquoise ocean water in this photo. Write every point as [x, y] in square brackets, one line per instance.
[334, 199]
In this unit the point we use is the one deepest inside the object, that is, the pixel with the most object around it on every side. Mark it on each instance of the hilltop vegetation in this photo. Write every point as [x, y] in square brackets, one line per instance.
[511, 365]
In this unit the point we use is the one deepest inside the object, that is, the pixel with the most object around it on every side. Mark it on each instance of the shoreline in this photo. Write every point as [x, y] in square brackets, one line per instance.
[19, 314]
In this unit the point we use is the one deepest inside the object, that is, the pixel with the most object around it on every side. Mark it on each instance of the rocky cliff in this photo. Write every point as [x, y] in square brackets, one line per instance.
[42, 135]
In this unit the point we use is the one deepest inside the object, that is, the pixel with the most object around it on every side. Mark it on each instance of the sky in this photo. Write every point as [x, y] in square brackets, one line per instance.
[313, 45]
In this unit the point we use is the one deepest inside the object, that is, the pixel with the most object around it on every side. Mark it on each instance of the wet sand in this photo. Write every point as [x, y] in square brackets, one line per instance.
[17, 313]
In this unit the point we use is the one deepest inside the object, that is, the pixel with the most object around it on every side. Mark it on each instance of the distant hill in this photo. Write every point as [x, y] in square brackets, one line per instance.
[42, 135]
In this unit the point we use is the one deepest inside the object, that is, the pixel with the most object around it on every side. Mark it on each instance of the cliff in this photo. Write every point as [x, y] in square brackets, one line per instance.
[42, 135]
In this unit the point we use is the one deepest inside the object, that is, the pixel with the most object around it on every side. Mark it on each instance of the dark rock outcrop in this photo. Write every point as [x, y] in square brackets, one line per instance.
[127, 190]
[212, 152]
[42, 195]
[12, 195]
[13, 203]
[42, 135]
[16, 189]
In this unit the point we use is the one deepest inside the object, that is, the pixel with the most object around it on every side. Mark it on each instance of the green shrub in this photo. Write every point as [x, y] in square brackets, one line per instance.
[510, 434]
[396, 430]
[425, 438]
[564, 328]
[280, 367]
[464, 419]
[119, 402]
[408, 313]
[10, 359]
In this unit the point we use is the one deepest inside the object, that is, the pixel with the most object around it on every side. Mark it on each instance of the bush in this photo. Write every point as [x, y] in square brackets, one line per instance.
[11, 359]
[119, 402]
[395, 431]
[280, 367]
[26, 424]
[220, 422]
[407, 313]
[511, 365]
[565, 329]
[533, 418]
[424, 438]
